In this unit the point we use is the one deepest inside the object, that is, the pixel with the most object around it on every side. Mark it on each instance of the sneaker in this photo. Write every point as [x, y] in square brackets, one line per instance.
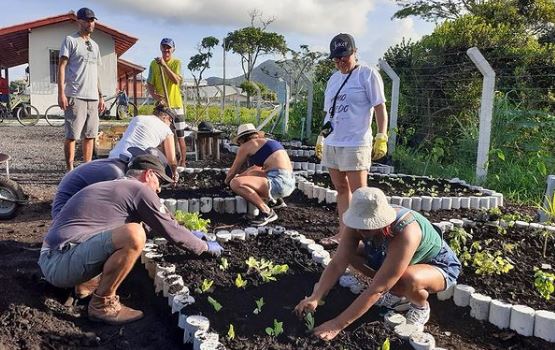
[418, 316]
[277, 203]
[393, 302]
[265, 218]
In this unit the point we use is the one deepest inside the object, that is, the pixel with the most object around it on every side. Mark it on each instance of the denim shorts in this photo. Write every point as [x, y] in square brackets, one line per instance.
[76, 263]
[447, 263]
[281, 183]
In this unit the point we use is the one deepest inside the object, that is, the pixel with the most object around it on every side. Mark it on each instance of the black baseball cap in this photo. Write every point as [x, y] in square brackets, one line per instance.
[149, 161]
[342, 45]
[85, 14]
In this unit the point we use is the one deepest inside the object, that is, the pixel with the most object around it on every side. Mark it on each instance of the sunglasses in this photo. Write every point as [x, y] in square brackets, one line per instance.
[89, 45]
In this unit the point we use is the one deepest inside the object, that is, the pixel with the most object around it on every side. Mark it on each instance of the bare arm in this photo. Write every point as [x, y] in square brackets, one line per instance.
[240, 159]
[62, 99]
[381, 118]
[153, 93]
[169, 152]
[399, 253]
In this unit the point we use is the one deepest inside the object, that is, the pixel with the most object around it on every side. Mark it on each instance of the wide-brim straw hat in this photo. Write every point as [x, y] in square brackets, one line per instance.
[369, 210]
[246, 129]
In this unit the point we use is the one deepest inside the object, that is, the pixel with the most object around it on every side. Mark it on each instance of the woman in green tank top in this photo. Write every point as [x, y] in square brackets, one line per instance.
[402, 252]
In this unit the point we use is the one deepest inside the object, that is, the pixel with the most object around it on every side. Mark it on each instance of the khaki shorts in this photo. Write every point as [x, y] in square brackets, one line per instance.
[81, 119]
[76, 263]
[347, 158]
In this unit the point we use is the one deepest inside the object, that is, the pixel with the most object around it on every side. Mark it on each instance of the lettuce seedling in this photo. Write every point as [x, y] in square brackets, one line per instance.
[276, 330]
[217, 306]
[224, 264]
[259, 304]
[240, 282]
[192, 221]
[231, 332]
[309, 321]
[205, 287]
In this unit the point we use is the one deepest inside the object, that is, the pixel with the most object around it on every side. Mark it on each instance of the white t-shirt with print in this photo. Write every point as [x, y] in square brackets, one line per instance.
[144, 131]
[354, 107]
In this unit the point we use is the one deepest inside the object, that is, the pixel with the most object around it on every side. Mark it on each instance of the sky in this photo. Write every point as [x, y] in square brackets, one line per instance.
[310, 22]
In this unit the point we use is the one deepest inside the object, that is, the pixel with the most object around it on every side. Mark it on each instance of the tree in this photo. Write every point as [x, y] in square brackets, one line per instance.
[294, 69]
[201, 61]
[435, 10]
[253, 41]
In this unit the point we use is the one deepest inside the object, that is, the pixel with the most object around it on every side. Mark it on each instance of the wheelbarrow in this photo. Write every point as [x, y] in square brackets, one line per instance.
[11, 194]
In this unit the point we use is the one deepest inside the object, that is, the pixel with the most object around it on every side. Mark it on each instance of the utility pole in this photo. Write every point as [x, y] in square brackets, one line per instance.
[223, 80]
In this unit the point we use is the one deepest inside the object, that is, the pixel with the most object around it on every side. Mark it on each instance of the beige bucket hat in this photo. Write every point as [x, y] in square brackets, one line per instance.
[246, 129]
[369, 210]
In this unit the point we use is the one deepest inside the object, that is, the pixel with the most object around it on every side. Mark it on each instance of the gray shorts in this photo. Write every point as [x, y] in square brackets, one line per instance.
[76, 263]
[281, 183]
[347, 158]
[81, 119]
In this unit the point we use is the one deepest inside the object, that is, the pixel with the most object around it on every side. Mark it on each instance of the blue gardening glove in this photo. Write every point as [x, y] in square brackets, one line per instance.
[214, 248]
[379, 150]
[199, 234]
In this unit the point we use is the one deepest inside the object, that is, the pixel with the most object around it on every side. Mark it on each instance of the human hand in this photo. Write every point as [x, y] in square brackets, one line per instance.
[328, 330]
[318, 150]
[214, 248]
[198, 234]
[62, 101]
[307, 305]
[379, 150]
[101, 104]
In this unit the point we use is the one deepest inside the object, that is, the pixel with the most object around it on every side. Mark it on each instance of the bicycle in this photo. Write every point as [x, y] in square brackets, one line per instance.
[54, 115]
[25, 113]
[124, 107]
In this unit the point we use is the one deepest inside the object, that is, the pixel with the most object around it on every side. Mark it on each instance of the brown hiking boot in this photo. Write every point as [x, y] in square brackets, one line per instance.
[85, 289]
[110, 310]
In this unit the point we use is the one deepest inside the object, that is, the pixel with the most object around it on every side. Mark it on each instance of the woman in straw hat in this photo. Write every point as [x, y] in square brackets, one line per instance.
[402, 252]
[269, 176]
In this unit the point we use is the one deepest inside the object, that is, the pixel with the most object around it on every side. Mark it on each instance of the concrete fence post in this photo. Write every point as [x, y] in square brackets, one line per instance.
[548, 200]
[394, 109]
[486, 111]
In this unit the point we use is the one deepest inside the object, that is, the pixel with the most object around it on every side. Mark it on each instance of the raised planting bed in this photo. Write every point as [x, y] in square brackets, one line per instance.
[238, 304]
[416, 192]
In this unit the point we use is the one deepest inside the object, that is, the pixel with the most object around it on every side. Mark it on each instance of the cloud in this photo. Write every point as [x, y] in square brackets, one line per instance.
[296, 16]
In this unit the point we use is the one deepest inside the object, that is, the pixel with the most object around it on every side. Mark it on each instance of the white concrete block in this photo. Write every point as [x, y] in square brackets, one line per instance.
[544, 327]
[479, 306]
[461, 296]
[500, 314]
[522, 320]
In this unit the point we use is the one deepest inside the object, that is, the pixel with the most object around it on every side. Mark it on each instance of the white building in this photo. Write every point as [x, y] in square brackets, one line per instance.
[38, 43]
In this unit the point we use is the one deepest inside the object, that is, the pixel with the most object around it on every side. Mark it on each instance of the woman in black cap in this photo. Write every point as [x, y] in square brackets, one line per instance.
[352, 95]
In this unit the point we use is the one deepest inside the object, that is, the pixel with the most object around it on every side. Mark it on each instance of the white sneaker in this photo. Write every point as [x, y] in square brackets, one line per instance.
[393, 302]
[418, 316]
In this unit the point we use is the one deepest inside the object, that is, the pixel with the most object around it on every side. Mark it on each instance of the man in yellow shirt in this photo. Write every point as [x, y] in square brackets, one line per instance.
[171, 68]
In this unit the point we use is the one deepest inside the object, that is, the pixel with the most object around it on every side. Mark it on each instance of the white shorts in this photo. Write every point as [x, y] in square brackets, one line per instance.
[347, 158]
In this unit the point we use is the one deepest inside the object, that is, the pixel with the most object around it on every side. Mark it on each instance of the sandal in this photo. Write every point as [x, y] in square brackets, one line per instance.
[329, 242]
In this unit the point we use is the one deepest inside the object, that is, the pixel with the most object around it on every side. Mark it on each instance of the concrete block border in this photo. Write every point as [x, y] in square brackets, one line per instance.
[490, 199]
[522, 319]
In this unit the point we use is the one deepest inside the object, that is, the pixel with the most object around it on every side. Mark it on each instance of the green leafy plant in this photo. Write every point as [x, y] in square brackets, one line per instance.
[494, 213]
[240, 282]
[205, 287]
[217, 306]
[489, 264]
[265, 268]
[309, 321]
[386, 344]
[458, 238]
[276, 330]
[259, 304]
[192, 221]
[544, 283]
[231, 332]
[224, 264]
[546, 235]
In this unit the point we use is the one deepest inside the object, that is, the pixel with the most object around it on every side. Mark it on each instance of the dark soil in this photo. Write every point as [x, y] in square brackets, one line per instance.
[208, 183]
[407, 186]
